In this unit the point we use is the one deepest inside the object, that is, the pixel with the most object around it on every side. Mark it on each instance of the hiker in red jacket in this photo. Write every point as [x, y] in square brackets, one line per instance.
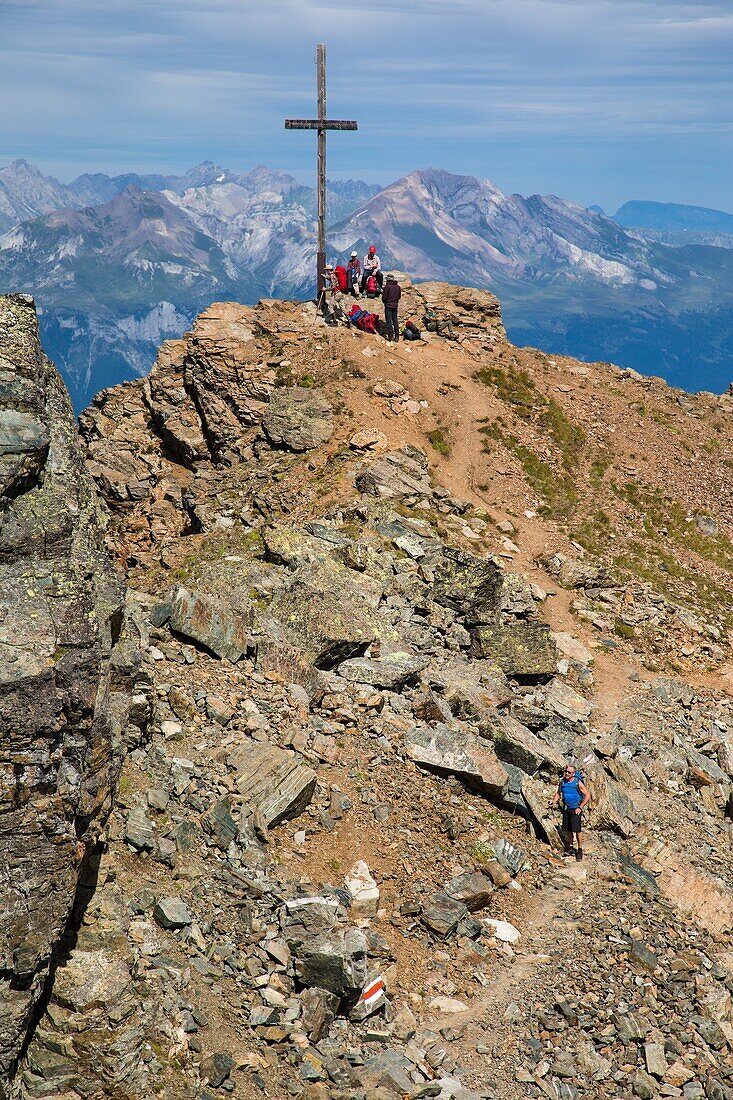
[391, 297]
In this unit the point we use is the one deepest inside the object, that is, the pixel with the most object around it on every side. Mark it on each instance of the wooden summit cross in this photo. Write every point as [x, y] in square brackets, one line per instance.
[321, 124]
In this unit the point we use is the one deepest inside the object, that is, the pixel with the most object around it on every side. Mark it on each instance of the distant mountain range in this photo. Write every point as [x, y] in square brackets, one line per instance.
[118, 264]
[673, 217]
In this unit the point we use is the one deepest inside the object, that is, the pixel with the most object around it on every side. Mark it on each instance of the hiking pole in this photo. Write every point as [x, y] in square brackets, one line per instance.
[321, 298]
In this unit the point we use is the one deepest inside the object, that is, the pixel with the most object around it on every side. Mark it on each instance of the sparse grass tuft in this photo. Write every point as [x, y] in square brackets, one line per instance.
[623, 630]
[558, 489]
[518, 390]
[438, 442]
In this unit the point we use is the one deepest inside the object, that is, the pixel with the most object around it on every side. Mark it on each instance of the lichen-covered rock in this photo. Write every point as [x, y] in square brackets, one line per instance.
[65, 671]
[325, 612]
[211, 622]
[469, 585]
[524, 650]
[471, 687]
[391, 672]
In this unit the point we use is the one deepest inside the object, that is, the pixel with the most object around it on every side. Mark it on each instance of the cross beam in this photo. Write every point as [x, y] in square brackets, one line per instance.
[321, 124]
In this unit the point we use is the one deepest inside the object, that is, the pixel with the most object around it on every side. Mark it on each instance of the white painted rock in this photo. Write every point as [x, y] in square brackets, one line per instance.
[502, 930]
[363, 889]
[572, 647]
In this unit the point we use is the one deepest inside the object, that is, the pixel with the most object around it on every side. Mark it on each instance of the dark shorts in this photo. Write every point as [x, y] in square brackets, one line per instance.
[572, 822]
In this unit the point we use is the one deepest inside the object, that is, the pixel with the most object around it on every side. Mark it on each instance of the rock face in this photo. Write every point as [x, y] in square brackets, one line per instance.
[64, 670]
[298, 419]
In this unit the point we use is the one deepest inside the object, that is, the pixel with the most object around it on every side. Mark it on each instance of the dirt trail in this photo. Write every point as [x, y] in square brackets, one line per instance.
[486, 1031]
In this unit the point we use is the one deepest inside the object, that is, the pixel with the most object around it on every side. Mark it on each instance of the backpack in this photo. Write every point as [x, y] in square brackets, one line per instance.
[367, 322]
[411, 331]
[569, 787]
[371, 287]
[342, 277]
[355, 313]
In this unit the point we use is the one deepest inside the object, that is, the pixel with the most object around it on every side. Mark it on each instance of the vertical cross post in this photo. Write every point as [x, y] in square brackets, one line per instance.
[321, 125]
[321, 77]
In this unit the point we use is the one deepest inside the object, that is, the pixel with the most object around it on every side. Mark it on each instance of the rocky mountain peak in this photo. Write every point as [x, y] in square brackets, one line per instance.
[383, 594]
[21, 167]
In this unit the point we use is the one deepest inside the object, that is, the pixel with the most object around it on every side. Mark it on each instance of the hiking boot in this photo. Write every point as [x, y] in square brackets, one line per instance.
[579, 854]
[567, 854]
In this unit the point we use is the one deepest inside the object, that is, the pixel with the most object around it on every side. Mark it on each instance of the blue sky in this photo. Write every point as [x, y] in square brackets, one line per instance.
[593, 100]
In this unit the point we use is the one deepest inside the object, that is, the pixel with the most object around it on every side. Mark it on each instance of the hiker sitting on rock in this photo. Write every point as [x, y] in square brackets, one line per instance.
[372, 270]
[575, 798]
[439, 325]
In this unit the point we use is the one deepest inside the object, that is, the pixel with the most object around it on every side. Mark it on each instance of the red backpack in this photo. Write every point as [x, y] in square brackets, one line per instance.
[371, 287]
[367, 323]
[342, 277]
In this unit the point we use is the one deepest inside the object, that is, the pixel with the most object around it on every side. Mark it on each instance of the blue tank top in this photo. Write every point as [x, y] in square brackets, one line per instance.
[571, 793]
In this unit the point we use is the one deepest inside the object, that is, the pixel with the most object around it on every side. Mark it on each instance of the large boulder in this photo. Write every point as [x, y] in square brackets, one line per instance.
[326, 955]
[324, 611]
[469, 585]
[210, 621]
[610, 806]
[524, 650]
[565, 702]
[517, 745]
[450, 752]
[399, 475]
[226, 374]
[470, 687]
[474, 890]
[275, 783]
[335, 961]
[65, 670]
[537, 796]
[443, 914]
[298, 419]
[391, 672]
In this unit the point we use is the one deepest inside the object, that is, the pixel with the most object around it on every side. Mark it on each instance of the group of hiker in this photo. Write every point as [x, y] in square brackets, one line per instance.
[368, 280]
[355, 278]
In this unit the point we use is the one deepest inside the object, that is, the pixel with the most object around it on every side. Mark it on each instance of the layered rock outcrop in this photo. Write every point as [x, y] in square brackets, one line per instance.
[64, 672]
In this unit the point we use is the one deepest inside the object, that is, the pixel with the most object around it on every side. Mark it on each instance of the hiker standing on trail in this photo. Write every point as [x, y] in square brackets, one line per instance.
[353, 271]
[575, 797]
[391, 297]
[372, 266]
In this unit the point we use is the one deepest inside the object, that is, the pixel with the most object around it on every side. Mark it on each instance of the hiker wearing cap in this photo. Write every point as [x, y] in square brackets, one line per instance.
[373, 267]
[391, 297]
[353, 272]
[573, 793]
[334, 298]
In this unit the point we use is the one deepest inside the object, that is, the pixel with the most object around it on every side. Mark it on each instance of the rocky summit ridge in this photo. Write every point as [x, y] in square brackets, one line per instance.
[381, 594]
